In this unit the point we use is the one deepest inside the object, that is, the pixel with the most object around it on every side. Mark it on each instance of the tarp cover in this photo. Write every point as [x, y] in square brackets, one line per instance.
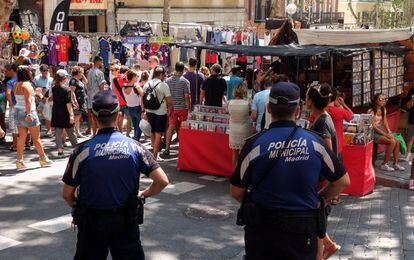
[345, 37]
[294, 50]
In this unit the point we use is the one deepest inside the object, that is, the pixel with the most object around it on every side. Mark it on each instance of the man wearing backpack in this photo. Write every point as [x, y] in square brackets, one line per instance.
[158, 105]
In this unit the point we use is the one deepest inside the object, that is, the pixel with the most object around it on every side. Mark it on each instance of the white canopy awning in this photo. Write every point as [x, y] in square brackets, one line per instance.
[351, 37]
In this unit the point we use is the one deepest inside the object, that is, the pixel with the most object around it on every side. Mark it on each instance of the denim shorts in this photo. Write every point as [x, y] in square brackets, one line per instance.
[20, 116]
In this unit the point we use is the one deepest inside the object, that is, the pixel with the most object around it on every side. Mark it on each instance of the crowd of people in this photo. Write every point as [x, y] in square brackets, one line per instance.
[63, 104]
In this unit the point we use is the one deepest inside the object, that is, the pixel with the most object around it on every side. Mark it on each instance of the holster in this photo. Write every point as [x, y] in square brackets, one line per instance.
[249, 212]
[324, 211]
[79, 214]
[134, 210]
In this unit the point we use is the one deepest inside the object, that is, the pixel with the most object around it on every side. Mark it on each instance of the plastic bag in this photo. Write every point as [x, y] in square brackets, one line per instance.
[145, 127]
[403, 145]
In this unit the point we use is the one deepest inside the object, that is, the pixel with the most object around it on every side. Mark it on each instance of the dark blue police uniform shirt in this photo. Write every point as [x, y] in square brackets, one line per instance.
[292, 183]
[107, 169]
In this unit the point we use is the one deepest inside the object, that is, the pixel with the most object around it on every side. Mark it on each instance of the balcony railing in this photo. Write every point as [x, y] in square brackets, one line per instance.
[327, 18]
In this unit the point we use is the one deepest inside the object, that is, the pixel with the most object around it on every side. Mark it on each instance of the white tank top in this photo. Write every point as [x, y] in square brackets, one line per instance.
[21, 102]
[132, 99]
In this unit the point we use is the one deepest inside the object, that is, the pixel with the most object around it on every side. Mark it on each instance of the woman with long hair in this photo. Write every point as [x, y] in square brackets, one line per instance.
[317, 99]
[383, 134]
[77, 85]
[133, 92]
[240, 122]
[63, 116]
[26, 118]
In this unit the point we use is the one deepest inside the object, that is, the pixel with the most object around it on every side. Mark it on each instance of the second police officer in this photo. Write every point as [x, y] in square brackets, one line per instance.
[276, 181]
[106, 170]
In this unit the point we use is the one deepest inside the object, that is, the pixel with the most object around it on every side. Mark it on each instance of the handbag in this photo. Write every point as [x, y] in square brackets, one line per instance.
[249, 212]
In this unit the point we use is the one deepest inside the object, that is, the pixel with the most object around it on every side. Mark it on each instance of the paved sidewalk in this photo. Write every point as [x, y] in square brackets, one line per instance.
[377, 226]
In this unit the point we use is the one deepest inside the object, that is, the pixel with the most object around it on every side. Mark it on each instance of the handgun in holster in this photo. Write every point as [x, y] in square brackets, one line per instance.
[134, 210]
[322, 218]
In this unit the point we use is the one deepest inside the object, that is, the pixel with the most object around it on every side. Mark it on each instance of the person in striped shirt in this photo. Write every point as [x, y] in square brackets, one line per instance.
[180, 93]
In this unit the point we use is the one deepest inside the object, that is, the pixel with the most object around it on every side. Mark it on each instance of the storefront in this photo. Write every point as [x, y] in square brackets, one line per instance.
[88, 16]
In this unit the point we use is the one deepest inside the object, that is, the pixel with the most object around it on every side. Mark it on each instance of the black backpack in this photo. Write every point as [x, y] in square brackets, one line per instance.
[150, 98]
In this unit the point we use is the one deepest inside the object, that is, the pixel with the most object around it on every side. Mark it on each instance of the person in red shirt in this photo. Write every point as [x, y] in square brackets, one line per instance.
[118, 81]
[63, 48]
[339, 112]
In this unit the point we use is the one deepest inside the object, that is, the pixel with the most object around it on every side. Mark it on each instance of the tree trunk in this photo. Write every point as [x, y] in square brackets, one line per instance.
[6, 8]
[166, 10]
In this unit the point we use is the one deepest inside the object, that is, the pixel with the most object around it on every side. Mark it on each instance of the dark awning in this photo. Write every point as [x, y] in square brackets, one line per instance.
[294, 50]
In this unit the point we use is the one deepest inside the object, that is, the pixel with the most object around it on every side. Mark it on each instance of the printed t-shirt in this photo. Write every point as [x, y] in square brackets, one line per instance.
[63, 49]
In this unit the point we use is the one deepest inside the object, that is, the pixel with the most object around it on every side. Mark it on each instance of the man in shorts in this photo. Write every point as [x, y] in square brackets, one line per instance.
[180, 93]
[96, 83]
[157, 118]
[11, 72]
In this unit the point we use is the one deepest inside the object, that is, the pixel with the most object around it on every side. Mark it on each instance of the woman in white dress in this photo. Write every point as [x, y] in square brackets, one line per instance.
[240, 122]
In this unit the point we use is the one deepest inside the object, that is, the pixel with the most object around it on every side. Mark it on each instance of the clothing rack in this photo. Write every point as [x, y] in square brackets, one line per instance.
[83, 33]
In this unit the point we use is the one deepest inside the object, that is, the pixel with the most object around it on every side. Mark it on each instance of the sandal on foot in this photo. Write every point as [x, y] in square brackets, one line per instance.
[336, 201]
[331, 250]
[166, 152]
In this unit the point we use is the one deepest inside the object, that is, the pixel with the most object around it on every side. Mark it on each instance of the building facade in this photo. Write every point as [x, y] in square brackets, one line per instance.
[213, 12]
[360, 11]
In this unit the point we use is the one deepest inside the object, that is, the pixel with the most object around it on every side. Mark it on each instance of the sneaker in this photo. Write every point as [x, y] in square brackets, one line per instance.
[386, 167]
[159, 159]
[20, 165]
[407, 158]
[411, 185]
[45, 162]
[399, 167]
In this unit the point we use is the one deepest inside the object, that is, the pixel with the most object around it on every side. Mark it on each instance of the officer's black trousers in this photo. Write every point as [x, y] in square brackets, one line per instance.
[100, 233]
[273, 243]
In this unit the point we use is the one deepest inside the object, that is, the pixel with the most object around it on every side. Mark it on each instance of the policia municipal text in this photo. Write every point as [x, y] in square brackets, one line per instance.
[102, 183]
[276, 181]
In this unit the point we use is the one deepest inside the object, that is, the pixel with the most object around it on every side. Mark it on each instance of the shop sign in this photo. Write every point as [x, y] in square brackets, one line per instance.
[136, 40]
[161, 40]
[88, 4]
[86, 12]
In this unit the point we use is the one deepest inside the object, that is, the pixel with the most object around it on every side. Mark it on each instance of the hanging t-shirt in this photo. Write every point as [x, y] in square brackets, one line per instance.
[238, 37]
[229, 37]
[251, 38]
[45, 40]
[44, 55]
[94, 46]
[211, 57]
[85, 49]
[53, 54]
[184, 55]
[104, 51]
[63, 48]
[117, 49]
[164, 56]
[73, 49]
[217, 37]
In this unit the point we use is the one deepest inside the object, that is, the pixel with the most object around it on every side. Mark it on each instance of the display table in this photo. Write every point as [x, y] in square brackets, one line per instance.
[204, 152]
[358, 162]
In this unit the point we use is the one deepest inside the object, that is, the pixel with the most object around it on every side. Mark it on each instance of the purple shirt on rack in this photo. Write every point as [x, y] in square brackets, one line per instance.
[53, 54]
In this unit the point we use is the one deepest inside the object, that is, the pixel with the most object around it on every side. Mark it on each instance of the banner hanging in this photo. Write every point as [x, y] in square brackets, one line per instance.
[59, 20]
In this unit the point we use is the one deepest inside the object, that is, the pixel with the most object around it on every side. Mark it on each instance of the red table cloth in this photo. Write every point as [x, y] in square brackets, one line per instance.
[204, 152]
[358, 162]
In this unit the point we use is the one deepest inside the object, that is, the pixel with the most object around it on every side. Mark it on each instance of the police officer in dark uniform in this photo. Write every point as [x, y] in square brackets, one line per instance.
[276, 180]
[102, 175]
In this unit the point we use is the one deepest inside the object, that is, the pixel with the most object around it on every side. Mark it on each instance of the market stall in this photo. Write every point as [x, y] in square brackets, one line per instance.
[204, 142]
[365, 71]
